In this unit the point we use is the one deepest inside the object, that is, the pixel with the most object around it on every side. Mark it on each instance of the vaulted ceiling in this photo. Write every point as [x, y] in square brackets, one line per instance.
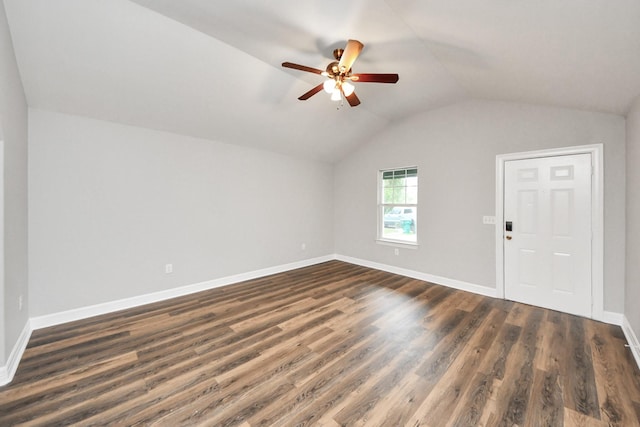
[212, 69]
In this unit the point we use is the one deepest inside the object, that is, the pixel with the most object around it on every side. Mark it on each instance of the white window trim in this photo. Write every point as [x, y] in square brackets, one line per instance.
[385, 240]
[397, 243]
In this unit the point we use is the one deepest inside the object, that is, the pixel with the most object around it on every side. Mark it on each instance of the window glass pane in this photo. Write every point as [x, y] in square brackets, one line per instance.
[398, 189]
[399, 223]
[398, 195]
[387, 195]
[398, 182]
[412, 195]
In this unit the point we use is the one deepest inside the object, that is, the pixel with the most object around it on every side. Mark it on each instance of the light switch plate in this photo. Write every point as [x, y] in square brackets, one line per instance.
[489, 220]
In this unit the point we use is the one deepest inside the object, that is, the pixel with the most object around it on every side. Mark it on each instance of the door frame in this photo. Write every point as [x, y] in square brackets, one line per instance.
[597, 217]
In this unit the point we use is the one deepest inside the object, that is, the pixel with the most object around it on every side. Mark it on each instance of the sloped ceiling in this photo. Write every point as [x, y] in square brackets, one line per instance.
[212, 69]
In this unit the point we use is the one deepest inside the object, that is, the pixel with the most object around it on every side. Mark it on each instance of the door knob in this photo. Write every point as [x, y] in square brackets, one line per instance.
[508, 237]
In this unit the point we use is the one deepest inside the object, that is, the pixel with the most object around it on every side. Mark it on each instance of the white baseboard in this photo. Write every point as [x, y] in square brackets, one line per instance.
[451, 283]
[109, 307]
[9, 370]
[611, 317]
[632, 339]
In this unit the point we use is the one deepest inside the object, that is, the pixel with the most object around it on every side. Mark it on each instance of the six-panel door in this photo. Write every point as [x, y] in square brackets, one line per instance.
[547, 255]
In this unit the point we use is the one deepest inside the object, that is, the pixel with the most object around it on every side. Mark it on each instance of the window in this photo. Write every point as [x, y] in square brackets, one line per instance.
[398, 205]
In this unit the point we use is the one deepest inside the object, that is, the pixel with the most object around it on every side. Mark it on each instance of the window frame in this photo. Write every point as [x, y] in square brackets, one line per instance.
[380, 238]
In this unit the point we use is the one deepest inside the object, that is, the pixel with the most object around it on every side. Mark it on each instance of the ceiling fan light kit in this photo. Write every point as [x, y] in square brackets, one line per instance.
[339, 75]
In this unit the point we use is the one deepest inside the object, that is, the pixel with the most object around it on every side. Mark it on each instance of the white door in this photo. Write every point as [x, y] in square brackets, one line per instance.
[547, 253]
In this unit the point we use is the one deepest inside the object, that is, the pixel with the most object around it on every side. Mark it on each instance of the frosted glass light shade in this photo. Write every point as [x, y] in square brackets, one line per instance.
[335, 95]
[329, 85]
[347, 88]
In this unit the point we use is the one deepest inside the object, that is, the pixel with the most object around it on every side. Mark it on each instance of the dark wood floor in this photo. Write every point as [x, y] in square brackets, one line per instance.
[332, 344]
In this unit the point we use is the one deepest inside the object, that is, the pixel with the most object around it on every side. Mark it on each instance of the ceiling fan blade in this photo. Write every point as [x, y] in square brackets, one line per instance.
[352, 99]
[351, 52]
[312, 92]
[374, 78]
[301, 67]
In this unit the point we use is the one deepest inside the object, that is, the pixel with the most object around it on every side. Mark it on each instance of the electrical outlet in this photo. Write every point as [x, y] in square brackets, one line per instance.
[303, 246]
[396, 251]
[20, 303]
[168, 269]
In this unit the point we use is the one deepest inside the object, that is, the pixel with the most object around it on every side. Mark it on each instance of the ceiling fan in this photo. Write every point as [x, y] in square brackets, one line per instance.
[339, 75]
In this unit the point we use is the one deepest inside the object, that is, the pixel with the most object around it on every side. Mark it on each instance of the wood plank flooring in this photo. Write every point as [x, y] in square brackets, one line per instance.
[333, 345]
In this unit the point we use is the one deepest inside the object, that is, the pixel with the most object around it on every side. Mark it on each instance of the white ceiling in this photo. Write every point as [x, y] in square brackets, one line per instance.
[212, 69]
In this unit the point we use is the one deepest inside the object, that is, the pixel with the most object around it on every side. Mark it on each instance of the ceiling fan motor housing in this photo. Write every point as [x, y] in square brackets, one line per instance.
[333, 68]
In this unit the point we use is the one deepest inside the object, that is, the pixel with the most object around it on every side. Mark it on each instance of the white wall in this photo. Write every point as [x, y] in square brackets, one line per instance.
[13, 121]
[111, 204]
[455, 149]
[632, 290]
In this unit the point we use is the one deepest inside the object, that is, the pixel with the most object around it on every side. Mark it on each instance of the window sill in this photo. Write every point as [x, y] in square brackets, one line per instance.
[397, 243]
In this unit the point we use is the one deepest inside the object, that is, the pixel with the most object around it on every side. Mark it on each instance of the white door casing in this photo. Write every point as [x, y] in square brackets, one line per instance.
[559, 241]
[547, 245]
[3, 378]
